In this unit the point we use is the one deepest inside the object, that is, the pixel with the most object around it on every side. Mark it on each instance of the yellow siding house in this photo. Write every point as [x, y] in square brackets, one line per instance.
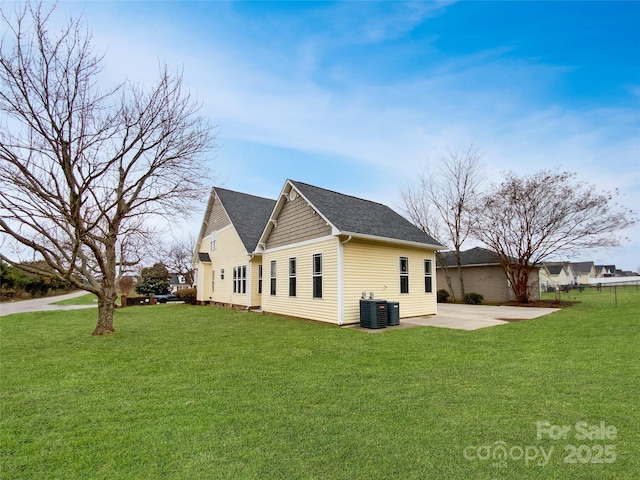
[312, 254]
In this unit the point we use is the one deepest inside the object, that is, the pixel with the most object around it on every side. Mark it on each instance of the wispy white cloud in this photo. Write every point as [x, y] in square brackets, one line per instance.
[306, 98]
[375, 22]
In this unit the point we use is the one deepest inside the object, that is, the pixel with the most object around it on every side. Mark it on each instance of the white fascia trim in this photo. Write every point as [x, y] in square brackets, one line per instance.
[393, 240]
[333, 227]
[203, 226]
[274, 214]
[299, 244]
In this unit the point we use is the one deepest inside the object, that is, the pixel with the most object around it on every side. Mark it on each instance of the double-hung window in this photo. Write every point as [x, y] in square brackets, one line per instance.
[240, 279]
[317, 275]
[428, 277]
[235, 279]
[404, 275]
[273, 277]
[260, 279]
[292, 277]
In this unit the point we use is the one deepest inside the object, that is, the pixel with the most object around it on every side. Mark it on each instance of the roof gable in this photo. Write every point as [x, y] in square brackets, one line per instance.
[582, 267]
[356, 216]
[248, 214]
[554, 269]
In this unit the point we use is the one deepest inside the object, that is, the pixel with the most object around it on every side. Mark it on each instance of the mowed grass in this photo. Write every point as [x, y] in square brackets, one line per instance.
[88, 299]
[200, 392]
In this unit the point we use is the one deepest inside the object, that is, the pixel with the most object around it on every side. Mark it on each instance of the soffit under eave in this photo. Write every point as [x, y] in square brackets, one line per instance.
[387, 240]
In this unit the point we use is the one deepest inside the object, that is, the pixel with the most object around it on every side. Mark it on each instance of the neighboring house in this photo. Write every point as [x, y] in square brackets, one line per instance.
[583, 271]
[625, 273]
[178, 282]
[482, 273]
[554, 275]
[319, 252]
[228, 270]
[605, 271]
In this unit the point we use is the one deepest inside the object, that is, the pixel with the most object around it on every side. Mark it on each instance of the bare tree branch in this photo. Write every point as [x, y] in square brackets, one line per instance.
[177, 258]
[443, 203]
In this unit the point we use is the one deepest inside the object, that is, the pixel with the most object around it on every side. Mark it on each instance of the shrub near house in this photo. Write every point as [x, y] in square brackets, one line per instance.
[187, 295]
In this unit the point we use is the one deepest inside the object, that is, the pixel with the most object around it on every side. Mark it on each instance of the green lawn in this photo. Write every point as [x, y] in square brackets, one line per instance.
[200, 392]
[88, 299]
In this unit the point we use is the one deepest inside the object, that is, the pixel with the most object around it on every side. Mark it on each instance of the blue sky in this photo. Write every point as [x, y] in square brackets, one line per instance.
[360, 96]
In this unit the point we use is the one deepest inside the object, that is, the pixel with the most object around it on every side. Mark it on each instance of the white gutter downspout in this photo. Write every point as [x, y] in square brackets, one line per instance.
[250, 282]
[341, 280]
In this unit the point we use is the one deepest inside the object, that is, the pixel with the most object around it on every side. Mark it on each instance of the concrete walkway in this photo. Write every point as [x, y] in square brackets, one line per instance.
[467, 317]
[42, 304]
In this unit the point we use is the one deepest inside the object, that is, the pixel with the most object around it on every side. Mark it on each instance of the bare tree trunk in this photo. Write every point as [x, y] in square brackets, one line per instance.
[106, 308]
[447, 275]
[460, 276]
[522, 296]
[520, 284]
[445, 202]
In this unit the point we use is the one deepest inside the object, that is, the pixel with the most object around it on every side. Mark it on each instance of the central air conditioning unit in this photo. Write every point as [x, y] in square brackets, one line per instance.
[373, 313]
[393, 313]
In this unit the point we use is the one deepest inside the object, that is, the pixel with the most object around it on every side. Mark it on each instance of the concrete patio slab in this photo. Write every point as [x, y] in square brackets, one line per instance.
[467, 317]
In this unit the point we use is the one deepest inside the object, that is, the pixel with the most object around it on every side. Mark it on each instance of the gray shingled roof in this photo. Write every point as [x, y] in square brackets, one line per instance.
[248, 213]
[473, 256]
[358, 216]
[204, 257]
[582, 267]
[554, 268]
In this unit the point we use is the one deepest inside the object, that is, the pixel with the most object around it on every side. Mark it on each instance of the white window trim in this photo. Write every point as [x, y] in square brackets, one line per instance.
[428, 274]
[403, 274]
[317, 275]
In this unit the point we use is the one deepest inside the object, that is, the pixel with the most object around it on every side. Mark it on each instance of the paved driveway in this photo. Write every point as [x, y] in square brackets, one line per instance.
[468, 317]
[41, 304]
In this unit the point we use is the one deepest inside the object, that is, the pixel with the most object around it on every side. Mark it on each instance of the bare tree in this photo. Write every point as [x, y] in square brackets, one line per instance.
[526, 220]
[416, 205]
[177, 258]
[126, 284]
[83, 170]
[443, 203]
